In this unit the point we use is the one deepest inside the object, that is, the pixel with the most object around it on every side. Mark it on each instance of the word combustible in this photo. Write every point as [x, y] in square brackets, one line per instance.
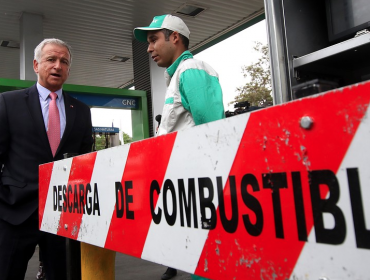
[179, 202]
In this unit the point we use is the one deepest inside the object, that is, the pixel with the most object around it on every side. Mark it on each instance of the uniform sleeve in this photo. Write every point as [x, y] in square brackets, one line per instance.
[201, 95]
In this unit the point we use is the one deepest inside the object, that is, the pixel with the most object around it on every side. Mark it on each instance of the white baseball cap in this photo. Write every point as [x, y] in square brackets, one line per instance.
[159, 22]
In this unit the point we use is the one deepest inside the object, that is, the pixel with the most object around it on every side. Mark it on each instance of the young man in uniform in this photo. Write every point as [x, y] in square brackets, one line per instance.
[194, 94]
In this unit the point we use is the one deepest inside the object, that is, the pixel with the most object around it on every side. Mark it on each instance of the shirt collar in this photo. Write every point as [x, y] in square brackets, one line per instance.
[44, 92]
[172, 69]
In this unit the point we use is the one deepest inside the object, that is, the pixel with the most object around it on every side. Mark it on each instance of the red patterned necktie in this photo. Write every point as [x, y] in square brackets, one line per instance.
[53, 123]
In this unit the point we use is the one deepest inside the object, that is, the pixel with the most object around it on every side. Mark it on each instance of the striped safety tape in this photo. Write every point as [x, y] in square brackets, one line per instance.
[255, 196]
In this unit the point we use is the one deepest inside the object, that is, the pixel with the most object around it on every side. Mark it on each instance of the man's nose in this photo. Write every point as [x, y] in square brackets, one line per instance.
[58, 64]
[150, 48]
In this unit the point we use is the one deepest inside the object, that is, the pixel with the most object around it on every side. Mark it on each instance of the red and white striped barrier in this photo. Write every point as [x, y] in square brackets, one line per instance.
[281, 193]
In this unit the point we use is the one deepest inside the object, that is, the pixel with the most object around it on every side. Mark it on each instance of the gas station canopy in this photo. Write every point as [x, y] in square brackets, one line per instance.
[100, 32]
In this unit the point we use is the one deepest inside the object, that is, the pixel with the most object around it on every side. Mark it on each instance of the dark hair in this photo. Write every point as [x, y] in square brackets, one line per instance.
[167, 33]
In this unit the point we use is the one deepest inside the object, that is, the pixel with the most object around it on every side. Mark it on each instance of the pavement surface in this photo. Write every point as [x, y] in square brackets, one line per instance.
[126, 268]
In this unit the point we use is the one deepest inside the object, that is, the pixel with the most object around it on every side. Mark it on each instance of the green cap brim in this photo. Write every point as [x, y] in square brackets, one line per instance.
[141, 33]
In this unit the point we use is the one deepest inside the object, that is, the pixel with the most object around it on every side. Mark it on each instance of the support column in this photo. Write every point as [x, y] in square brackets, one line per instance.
[281, 87]
[31, 34]
[97, 263]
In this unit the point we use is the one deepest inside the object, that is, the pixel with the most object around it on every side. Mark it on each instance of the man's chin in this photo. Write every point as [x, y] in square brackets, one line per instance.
[161, 64]
[54, 85]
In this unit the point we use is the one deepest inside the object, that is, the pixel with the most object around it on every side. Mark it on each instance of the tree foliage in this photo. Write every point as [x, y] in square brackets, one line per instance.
[100, 142]
[126, 138]
[257, 91]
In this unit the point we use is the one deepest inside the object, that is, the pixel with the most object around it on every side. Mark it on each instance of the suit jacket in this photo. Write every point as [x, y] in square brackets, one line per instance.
[24, 146]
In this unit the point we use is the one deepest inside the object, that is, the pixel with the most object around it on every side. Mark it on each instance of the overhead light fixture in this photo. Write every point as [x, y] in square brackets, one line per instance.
[9, 44]
[119, 58]
[190, 10]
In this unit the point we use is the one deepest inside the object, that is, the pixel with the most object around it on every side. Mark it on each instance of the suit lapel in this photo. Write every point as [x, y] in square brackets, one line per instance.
[33, 101]
[70, 117]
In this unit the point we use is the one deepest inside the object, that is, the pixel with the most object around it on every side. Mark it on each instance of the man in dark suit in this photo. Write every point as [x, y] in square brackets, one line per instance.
[25, 143]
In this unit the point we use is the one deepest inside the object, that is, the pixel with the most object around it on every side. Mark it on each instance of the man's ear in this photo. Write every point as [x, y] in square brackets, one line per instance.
[35, 66]
[175, 37]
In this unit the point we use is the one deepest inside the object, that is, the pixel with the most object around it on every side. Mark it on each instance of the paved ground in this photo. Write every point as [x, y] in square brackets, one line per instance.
[127, 268]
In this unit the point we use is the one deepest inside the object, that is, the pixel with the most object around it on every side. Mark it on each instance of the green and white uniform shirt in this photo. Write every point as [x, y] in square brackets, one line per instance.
[193, 95]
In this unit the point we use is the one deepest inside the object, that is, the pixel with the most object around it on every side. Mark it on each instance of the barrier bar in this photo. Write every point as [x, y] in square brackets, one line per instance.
[278, 193]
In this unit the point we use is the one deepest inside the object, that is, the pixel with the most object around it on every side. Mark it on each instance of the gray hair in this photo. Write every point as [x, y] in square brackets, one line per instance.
[38, 49]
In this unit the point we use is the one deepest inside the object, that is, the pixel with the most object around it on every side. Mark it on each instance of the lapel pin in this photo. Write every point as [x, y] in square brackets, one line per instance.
[71, 106]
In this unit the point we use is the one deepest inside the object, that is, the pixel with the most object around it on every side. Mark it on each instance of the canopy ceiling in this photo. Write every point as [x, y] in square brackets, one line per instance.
[100, 29]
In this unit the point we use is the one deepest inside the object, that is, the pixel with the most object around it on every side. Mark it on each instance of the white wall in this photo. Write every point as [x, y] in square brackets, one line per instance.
[158, 89]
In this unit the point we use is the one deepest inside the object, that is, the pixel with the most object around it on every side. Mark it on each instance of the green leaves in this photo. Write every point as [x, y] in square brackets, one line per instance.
[257, 91]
